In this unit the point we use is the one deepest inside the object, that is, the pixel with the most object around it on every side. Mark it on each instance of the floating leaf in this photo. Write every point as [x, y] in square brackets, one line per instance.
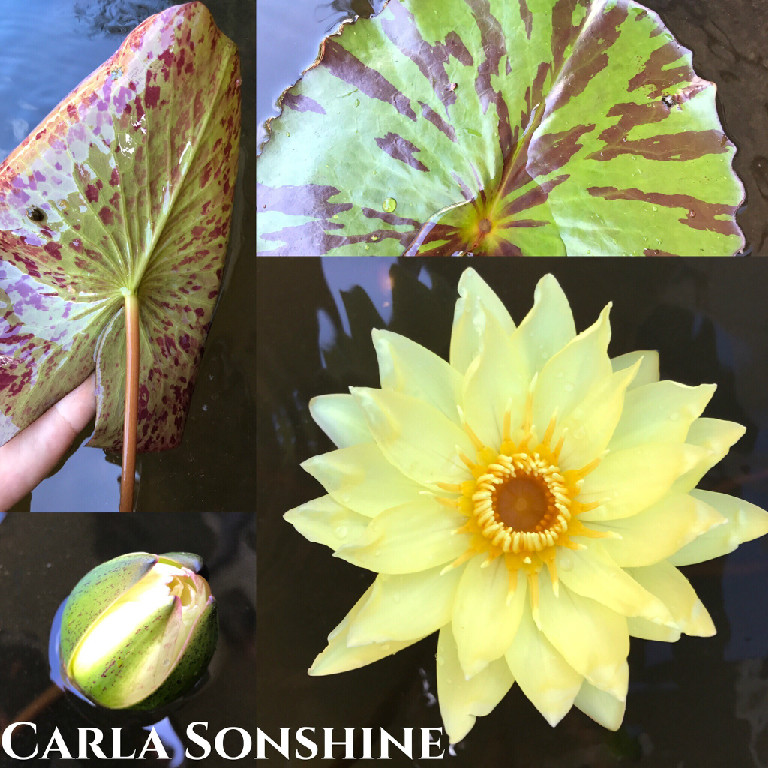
[124, 192]
[504, 127]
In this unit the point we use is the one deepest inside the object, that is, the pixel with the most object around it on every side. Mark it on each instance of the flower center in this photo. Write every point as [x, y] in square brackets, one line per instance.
[521, 503]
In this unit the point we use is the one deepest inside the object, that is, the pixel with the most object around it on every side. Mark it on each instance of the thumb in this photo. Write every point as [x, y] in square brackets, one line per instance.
[30, 455]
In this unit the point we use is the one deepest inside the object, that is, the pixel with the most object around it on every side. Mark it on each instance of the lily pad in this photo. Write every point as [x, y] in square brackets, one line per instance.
[124, 190]
[500, 127]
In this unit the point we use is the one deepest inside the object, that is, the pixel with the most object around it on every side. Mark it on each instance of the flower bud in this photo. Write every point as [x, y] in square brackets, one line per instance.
[139, 630]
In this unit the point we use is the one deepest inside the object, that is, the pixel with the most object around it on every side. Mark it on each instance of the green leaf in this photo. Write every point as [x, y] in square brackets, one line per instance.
[126, 187]
[500, 127]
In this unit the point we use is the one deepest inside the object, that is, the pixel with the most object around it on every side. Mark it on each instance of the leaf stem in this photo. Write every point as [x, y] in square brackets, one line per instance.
[132, 360]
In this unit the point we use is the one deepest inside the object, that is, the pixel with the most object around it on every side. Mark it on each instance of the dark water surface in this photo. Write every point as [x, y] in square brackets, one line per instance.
[46, 48]
[728, 38]
[693, 704]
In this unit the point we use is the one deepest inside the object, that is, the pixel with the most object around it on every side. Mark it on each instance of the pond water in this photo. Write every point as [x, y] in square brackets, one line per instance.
[46, 48]
[692, 703]
[727, 38]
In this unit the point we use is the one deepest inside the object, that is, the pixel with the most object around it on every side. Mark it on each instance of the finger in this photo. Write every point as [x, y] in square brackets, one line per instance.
[30, 455]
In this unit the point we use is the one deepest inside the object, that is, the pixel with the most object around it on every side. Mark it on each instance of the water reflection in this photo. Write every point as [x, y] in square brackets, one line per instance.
[115, 17]
[333, 13]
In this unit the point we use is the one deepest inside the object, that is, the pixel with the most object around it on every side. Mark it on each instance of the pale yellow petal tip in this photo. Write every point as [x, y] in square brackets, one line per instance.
[320, 665]
[319, 669]
[609, 723]
[553, 719]
[457, 727]
[379, 335]
[330, 662]
[738, 429]
[700, 623]
[468, 277]
[758, 527]
[547, 284]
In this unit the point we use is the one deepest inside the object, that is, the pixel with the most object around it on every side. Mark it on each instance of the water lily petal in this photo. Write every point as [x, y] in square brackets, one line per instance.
[338, 656]
[419, 440]
[592, 638]
[471, 283]
[628, 481]
[591, 573]
[360, 477]
[588, 427]
[325, 521]
[716, 437]
[567, 377]
[485, 614]
[602, 707]
[410, 538]
[476, 300]
[468, 324]
[549, 325]
[542, 673]
[662, 412]
[639, 627]
[407, 367]
[462, 700]
[630, 449]
[126, 655]
[496, 383]
[649, 365]
[341, 418]
[744, 522]
[676, 592]
[406, 607]
[656, 533]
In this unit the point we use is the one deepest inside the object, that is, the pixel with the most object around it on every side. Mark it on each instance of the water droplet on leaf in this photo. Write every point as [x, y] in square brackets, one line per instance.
[389, 204]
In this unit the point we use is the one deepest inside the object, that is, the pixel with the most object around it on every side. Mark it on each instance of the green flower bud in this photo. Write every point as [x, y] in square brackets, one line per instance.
[139, 630]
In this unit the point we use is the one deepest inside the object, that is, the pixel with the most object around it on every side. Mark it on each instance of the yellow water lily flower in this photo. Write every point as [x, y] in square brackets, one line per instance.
[531, 499]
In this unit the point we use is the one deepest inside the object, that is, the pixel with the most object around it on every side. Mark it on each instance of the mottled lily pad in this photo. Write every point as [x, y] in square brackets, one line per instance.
[126, 187]
[500, 127]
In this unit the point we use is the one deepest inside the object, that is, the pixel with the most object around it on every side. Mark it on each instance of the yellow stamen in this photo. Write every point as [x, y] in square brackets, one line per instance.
[512, 588]
[506, 430]
[520, 503]
[476, 441]
[558, 448]
[533, 590]
[458, 561]
[547, 439]
[574, 475]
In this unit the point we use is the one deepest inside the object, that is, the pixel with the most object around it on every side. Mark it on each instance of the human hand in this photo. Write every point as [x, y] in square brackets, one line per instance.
[29, 456]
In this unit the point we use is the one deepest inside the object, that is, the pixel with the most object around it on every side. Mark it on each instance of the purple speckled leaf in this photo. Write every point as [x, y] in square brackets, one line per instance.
[126, 185]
